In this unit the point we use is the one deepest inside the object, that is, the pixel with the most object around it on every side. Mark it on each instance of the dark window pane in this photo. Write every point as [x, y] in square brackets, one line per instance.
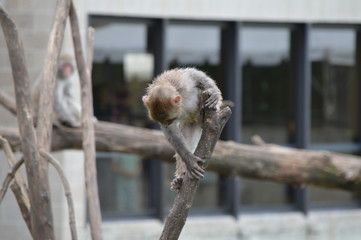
[334, 87]
[123, 190]
[121, 71]
[267, 102]
[267, 94]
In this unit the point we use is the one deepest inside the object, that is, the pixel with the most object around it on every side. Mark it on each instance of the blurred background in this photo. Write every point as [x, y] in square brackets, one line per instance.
[292, 70]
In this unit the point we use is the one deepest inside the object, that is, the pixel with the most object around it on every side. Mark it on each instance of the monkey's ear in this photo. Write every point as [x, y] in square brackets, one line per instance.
[145, 99]
[176, 100]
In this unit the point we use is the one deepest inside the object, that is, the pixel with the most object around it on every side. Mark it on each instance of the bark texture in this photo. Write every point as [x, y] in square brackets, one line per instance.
[266, 162]
[212, 128]
[91, 183]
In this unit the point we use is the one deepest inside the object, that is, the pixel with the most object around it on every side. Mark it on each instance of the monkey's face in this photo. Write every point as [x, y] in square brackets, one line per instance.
[65, 70]
[164, 111]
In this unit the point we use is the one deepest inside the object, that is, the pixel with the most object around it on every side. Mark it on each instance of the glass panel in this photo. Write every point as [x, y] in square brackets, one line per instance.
[323, 197]
[195, 46]
[262, 193]
[267, 102]
[267, 94]
[121, 185]
[334, 87]
[121, 72]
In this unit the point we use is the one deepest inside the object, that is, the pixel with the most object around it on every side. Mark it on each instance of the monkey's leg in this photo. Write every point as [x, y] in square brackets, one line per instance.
[180, 172]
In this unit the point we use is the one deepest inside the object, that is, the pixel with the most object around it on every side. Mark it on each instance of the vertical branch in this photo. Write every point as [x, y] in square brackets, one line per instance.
[40, 211]
[45, 113]
[90, 51]
[88, 132]
[67, 191]
[213, 126]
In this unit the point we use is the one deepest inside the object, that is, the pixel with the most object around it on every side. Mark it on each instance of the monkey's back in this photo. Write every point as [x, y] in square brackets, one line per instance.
[183, 81]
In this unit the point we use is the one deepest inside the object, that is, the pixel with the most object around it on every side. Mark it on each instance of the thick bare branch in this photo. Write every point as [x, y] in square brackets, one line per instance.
[67, 191]
[88, 130]
[45, 110]
[213, 126]
[41, 221]
[268, 162]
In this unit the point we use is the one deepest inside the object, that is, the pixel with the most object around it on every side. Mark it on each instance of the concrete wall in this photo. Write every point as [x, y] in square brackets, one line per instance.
[245, 10]
[329, 225]
[34, 19]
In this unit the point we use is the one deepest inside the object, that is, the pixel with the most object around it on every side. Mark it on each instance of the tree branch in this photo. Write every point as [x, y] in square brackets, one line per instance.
[91, 183]
[18, 187]
[268, 162]
[13, 172]
[9, 177]
[67, 191]
[41, 221]
[213, 126]
[8, 102]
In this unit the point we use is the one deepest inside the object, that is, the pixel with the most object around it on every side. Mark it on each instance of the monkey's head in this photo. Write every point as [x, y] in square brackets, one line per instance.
[65, 67]
[163, 104]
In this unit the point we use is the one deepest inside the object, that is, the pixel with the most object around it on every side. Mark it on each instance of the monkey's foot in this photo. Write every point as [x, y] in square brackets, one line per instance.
[176, 183]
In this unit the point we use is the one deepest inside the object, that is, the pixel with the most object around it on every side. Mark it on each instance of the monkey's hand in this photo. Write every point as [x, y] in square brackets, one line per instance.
[194, 166]
[213, 98]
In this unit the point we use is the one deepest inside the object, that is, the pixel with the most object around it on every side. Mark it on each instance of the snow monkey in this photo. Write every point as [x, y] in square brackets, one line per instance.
[66, 109]
[174, 100]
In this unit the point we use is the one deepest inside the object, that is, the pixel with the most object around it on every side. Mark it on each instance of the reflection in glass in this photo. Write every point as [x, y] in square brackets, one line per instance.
[266, 84]
[195, 46]
[266, 103]
[334, 88]
[121, 185]
[121, 70]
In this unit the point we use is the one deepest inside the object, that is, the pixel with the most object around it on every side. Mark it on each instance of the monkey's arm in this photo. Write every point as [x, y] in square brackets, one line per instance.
[207, 84]
[176, 138]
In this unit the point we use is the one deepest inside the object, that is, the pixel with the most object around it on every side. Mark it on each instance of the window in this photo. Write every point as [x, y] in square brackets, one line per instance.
[122, 69]
[267, 102]
[334, 99]
[334, 84]
[273, 64]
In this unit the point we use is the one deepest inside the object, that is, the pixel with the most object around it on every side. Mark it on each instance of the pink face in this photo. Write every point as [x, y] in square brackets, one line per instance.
[67, 69]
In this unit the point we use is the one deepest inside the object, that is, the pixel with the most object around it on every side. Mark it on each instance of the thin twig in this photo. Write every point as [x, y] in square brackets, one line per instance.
[257, 140]
[9, 177]
[18, 187]
[91, 183]
[66, 185]
[8, 102]
[67, 191]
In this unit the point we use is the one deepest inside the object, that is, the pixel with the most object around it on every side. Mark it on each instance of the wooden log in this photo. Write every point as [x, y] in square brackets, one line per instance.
[268, 162]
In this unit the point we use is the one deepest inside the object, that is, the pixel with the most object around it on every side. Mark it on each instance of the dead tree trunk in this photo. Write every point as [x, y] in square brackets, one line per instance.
[268, 162]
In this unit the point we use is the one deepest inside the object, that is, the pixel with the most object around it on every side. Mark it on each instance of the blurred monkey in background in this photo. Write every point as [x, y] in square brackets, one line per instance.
[67, 110]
